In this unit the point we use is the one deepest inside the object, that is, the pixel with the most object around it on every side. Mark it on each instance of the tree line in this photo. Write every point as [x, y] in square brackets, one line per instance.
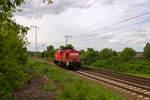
[49, 52]
[127, 60]
[91, 55]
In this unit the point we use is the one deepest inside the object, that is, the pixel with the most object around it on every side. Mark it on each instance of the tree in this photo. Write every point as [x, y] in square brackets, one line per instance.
[39, 54]
[90, 49]
[49, 53]
[127, 54]
[50, 48]
[62, 46]
[48, 1]
[89, 56]
[147, 51]
[69, 46]
[13, 51]
[82, 51]
[107, 53]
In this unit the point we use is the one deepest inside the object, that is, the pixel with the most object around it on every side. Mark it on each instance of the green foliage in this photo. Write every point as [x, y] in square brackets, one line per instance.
[125, 62]
[109, 64]
[127, 54]
[46, 87]
[49, 53]
[71, 86]
[117, 64]
[50, 48]
[31, 53]
[89, 57]
[63, 47]
[90, 49]
[50, 87]
[48, 1]
[39, 54]
[107, 53]
[82, 52]
[69, 46]
[35, 54]
[147, 51]
[13, 52]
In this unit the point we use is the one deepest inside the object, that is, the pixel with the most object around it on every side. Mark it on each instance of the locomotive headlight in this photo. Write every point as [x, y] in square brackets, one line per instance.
[67, 63]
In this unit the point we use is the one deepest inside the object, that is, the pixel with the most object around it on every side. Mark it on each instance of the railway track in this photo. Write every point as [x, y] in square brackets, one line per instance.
[130, 78]
[134, 86]
[142, 93]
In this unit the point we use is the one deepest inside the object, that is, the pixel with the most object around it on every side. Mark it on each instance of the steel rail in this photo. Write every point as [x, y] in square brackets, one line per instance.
[134, 89]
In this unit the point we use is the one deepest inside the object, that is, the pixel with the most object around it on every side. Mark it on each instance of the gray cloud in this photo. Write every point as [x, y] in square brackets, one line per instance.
[141, 30]
[108, 2]
[40, 46]
[35, 8]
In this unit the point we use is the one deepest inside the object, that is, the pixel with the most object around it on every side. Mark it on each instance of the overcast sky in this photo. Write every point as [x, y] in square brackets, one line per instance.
[98, 24]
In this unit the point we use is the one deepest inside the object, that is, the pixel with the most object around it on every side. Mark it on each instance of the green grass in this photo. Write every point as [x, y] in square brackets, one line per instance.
[141, 75]
[71, 86]
[50, 86]
[138, 67]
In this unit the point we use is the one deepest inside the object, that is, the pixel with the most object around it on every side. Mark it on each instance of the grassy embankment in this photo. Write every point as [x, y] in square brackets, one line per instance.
[138, 67]
[69, 86]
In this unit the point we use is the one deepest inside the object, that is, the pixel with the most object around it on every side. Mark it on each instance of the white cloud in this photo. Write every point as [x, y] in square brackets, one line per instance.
[139, 1]
[113, 41]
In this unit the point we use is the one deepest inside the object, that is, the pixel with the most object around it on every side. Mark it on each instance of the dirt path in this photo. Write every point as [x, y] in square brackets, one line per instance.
[34, 90]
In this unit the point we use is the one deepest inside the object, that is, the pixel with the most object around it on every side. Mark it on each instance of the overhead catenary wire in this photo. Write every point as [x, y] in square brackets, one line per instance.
[110, 26]
[124, 27]
[100, 38]
[85, 33]
[82, 33]
[130, 24]
[121, 28]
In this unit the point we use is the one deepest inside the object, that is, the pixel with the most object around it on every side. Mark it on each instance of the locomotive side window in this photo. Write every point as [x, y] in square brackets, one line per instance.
[67, 55]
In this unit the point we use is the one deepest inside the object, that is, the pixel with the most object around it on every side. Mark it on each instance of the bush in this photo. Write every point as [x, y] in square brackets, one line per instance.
[107, 53]
[147, 51]
[49, 53]
[127, 54]
[99, 63]
[89, 57]
[110, 64]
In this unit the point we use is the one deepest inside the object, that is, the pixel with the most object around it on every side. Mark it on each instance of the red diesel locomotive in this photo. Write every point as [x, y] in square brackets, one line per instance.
[67, 58]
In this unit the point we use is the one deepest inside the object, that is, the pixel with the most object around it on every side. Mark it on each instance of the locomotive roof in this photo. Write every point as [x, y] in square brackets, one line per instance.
[66, 49]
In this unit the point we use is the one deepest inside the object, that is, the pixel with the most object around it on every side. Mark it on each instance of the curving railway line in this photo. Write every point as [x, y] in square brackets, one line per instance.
[133, 87]
[141, 92]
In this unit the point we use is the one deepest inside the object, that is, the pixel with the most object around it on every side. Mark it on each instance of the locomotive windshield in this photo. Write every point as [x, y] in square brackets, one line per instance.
[74, 54]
